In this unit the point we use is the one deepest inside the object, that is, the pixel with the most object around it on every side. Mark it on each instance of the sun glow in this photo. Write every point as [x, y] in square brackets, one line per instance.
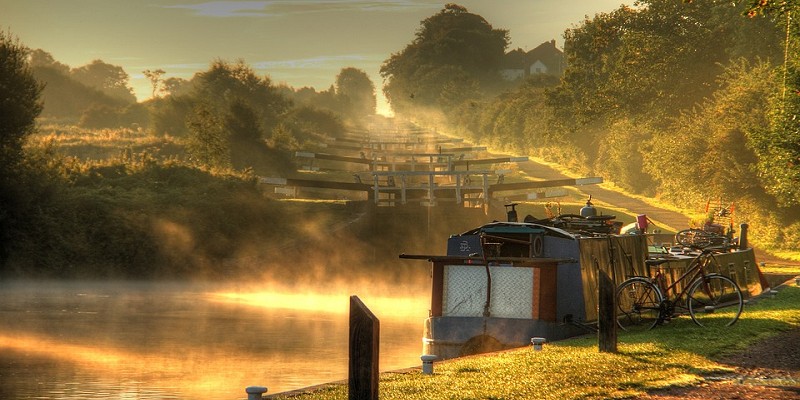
[52, 348]
[382, 306]
[114, 364]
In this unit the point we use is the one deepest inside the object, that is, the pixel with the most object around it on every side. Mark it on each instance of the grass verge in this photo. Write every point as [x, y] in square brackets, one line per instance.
[677, 354]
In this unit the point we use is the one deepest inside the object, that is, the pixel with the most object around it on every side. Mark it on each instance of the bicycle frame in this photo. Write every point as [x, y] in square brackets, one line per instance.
[696, 270]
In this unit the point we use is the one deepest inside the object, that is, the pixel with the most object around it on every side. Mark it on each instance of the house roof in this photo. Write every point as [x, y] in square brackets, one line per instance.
[547, 53]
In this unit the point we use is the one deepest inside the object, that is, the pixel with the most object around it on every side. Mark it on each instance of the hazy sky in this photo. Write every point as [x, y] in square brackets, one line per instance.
[297, 42]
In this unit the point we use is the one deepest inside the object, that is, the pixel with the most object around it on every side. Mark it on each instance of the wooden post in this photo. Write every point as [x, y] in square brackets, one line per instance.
[606, 314]
[364, 345]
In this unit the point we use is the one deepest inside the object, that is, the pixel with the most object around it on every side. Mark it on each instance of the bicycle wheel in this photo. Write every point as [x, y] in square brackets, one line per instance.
[638, 305]
[696, 238]
[715, 301]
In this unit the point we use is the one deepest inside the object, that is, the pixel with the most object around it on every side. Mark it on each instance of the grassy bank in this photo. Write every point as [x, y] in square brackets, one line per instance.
[678, 354]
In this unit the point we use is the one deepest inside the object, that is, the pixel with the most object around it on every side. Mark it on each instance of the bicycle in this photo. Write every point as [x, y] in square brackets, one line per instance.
[712, 300]
[717, 230]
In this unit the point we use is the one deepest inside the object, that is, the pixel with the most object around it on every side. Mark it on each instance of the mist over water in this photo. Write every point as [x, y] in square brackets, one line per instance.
[93, 340]
[279, 320]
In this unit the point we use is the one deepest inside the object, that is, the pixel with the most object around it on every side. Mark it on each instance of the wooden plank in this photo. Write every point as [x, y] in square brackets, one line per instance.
[498, 160]
[437, 289]
[364, 347]
[545, 292]
[333, 157]
[498, 187]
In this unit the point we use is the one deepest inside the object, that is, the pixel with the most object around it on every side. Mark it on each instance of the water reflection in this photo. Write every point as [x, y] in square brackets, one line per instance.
[148, 341]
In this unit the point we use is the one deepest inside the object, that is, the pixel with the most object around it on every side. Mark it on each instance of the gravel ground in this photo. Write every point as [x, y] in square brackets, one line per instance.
[767, 370]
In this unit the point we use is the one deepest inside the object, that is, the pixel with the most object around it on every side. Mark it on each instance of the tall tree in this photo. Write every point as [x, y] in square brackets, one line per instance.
[356, 91]
[19, 102]
[154, 76]
[19, 107]
[454, 52]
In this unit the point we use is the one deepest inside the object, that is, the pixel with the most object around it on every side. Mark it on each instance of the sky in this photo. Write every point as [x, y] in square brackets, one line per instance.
[296, 42]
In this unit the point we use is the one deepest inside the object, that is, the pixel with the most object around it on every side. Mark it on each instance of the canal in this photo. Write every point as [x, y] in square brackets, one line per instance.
[145, 340]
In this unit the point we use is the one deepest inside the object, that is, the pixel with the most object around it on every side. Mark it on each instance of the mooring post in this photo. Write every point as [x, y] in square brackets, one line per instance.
[743, 242]
[255, 392]
[606, 314]
[364, 345]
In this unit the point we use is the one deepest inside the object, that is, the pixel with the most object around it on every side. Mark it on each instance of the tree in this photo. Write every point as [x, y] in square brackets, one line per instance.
[110, 79]
[356, 91]
[208, 140]
[19, 102]
[19, 107]
[454, 41]
[225, 83]
[42, 59]
[242, 123]
[155, 79]
[176, 86]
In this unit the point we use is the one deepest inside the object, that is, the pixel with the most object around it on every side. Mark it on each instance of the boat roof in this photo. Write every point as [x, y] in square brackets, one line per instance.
[519, 227]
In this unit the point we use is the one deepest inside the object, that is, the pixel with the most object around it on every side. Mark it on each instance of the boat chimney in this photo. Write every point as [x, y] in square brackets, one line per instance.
[511, 212]
[588, 210]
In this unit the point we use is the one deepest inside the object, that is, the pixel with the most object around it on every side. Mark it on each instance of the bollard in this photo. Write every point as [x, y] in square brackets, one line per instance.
[743, 242]
[427, 363]
[708, 309]
[254, 392]
[797, 281]
[537, 343]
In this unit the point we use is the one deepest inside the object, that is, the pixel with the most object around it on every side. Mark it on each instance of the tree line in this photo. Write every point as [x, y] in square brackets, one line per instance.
[684, 101]
[142, 214]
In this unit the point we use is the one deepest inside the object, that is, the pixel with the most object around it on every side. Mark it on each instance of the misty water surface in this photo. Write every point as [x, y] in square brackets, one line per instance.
[92, 340]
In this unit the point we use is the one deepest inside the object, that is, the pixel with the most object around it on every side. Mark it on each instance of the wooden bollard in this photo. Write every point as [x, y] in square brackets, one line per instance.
[606, 314]
[364, 345]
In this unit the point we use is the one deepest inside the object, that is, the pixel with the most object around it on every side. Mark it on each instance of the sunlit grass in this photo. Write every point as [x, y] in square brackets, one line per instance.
[789, 255]
[66, 136]
[680, 353]
[100, 144]
[782, 269]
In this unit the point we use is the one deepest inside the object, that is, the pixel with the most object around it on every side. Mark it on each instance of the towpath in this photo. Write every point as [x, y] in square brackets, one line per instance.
[666, 219]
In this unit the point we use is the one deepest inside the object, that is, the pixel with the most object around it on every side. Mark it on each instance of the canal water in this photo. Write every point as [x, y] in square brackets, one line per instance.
[123, 340]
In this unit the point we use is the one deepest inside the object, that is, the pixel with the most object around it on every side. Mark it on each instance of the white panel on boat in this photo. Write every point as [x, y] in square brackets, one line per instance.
[465, 291]
[512, 292]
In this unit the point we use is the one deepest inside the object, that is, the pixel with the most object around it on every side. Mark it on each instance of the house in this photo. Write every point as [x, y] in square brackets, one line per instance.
[544, 59]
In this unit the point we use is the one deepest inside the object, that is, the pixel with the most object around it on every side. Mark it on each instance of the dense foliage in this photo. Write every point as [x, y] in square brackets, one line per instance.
[684, 101]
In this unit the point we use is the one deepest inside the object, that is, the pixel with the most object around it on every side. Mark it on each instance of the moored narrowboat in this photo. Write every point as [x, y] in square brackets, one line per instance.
[502, 284]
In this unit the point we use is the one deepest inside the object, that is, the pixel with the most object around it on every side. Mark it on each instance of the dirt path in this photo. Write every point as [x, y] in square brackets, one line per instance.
[667, 219]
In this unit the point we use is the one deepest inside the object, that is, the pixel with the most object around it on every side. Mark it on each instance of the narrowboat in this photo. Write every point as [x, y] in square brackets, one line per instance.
[503, 283]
